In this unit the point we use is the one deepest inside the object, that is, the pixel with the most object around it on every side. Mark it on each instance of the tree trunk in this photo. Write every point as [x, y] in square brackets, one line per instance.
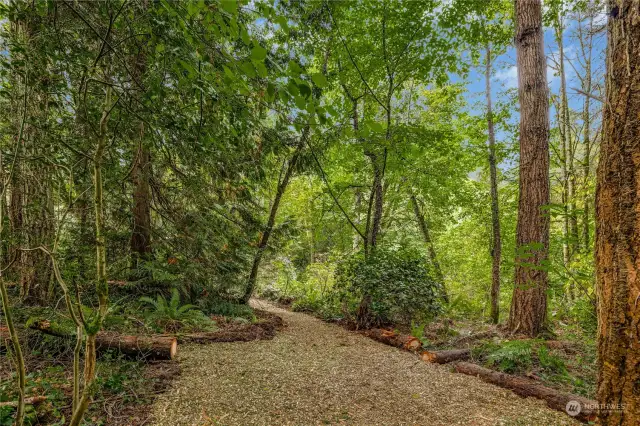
[141, 173]
[376, 220]
[617, 225]
[496, 247]
[141, 233]
[432, 251]
[266, 233]
[528, 388]
[564, 147]
[529, 302]
[586, 43]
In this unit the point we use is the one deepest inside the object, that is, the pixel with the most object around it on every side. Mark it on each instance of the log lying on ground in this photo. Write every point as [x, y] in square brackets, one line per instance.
[149, 347]
[525, 387]
[264, 329]
[391, 338]
[444, 357]
[34, 400]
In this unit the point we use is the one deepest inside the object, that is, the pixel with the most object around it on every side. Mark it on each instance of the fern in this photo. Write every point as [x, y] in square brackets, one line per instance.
[511, 357]
[171, 316]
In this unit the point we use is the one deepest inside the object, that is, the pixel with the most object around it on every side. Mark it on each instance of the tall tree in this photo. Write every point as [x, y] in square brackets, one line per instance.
[141, 171]
[496, 247]
[529, 302]
[617, 226]
[433, 259]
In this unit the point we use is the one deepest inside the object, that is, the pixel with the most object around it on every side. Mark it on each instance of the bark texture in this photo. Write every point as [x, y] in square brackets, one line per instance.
[529, 302]
[444, 357]
[496, 246]
[148, 347]
[618, 221]
[141, 172]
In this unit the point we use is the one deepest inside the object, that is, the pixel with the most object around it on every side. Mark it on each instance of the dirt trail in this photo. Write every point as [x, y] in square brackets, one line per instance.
[316, 373]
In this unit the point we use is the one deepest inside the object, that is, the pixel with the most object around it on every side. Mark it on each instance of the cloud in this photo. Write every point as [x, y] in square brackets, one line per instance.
[508, 77]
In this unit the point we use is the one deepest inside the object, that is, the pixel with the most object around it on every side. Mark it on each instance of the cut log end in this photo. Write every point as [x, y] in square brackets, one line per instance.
[148, 347]
[173, 350]
[444, 357]
[391, 338]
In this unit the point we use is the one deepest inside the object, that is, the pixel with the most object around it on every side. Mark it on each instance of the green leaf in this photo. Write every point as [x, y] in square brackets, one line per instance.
[248, 69]
[301, 102]
[319, 80]
[228, 72]
[230, 6]
[261, 68]
[159, 48]
[244, 34]
[258, 53]
[294, 68]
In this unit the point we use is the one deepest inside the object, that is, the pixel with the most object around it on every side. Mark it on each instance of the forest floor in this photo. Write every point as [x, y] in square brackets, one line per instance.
[318, 373]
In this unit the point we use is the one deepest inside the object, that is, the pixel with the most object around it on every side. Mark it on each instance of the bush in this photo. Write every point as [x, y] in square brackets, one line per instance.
[226, 308]
[397, 282]
[512, 357]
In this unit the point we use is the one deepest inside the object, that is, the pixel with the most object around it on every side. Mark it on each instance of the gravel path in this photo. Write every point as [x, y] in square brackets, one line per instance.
[316, 373]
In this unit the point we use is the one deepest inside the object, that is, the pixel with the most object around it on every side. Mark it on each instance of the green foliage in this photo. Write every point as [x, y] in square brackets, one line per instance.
[171, 316]
[512, 357]
[226, 308]
[398, 283]
[550, 363]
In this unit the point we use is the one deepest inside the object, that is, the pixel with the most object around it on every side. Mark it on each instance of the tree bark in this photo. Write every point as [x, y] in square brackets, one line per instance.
[526, 387]
[496, 246]
[147, 347]
[391, 338]
[422, 224]
[141, 173]
[617, 225]
[529, 302]
[444, 357]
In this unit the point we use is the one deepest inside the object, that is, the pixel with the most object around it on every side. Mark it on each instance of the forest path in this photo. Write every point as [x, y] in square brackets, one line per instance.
[315, 373]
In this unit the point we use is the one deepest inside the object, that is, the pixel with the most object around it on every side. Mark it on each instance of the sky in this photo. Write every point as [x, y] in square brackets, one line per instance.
[505, 73]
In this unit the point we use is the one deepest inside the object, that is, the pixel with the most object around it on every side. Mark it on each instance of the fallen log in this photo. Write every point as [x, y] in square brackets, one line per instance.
[149, 347]
[34, 400]
[555, 399]
[391, 338]
[444, 357]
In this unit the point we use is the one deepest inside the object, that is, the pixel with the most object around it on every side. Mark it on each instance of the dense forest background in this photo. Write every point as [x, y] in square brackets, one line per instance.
[357, 160]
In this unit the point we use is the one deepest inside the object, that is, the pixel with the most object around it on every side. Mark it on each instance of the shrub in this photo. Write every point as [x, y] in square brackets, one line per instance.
[512, 357]
[397, 282]
[171, 316]
[226, 308]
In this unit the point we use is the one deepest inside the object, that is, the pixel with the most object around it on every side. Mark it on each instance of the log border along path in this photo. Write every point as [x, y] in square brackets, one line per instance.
[315, 373]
